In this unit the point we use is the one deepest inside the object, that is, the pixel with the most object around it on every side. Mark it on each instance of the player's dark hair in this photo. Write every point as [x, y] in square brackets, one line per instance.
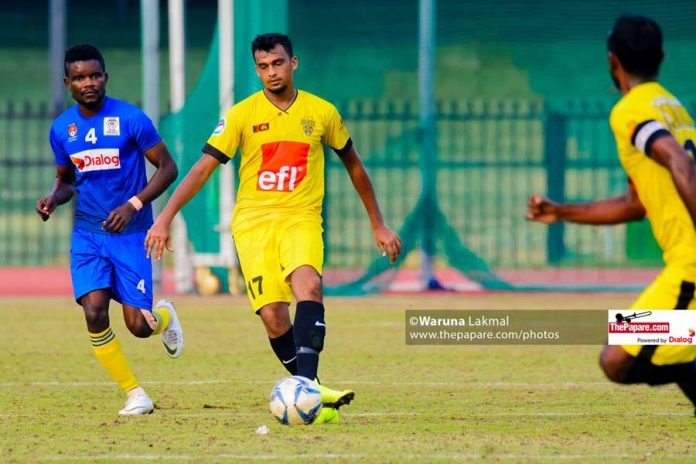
[637, 43]
[266, 42]
[82, 52]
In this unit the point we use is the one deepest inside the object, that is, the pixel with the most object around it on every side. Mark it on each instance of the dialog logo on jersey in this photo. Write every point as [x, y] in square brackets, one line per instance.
[96, 159]
[283, 167]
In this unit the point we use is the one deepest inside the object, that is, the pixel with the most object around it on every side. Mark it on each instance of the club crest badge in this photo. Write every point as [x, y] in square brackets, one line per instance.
[307, 126]
[112, 126]
[72, 129]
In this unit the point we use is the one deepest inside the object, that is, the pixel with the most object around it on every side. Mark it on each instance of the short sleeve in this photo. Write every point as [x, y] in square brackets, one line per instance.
[636, 128]
[143, 131]
[226, 137]
[60, 156]
[336, 135]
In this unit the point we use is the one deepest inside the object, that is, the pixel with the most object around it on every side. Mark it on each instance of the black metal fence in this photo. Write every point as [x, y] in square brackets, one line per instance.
[491, 155]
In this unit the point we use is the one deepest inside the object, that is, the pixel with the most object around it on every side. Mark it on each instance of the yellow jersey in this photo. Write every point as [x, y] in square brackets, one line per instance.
[282, 157]
[647, 112]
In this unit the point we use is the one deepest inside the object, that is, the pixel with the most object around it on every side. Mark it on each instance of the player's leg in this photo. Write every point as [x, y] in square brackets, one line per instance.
[310, 325]
[107, 350]
[92, 275]
[301, 254]
[621, 367]
[133, 288]
[656, 365]
[276, 320]
[268, 292]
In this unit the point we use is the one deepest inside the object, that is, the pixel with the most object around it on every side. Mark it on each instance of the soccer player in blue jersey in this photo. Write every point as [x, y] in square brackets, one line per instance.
[100, 146]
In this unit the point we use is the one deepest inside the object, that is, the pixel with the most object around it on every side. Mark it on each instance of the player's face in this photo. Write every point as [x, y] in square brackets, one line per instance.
[87, 83]
[275, 69]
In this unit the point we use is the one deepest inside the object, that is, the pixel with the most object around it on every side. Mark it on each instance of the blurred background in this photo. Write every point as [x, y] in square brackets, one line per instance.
[460, 110]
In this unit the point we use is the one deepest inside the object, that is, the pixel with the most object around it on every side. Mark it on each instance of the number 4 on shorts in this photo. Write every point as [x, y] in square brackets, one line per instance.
[141, 285]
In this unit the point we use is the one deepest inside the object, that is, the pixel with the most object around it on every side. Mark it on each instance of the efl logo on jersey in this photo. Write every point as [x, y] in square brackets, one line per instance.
[97, 160]
[112, 126]
[283, 167]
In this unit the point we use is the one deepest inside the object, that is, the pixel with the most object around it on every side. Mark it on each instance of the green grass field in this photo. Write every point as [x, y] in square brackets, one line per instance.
[413, 403]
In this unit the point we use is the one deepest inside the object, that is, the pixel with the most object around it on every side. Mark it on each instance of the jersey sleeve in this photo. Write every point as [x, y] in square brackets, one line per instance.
[336, 135]
[226, 137]
[638, 128]
[61, 157]
[143, 131]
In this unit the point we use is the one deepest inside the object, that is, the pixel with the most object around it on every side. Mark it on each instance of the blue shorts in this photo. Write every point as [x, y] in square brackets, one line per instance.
[111, 261]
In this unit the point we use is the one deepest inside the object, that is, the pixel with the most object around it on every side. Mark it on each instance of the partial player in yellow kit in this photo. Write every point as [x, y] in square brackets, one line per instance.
[277, 225]
[655, 139]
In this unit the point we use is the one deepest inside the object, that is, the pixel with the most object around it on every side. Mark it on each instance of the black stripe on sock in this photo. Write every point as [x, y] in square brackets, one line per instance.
[101, 341]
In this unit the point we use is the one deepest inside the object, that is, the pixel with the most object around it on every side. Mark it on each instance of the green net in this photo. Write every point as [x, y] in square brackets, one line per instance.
[523, 97]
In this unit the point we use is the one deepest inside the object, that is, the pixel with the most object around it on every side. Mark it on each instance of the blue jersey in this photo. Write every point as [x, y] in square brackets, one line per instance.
[106, 153]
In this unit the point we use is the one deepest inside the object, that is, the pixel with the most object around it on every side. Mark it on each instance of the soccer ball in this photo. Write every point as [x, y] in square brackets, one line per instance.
[295, 400]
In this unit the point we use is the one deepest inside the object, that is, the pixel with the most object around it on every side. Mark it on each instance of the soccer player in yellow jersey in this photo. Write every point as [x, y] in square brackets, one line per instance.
[655, 138]
[277, 224]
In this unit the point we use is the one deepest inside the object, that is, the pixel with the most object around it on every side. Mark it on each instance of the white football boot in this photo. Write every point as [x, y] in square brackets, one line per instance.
[173, 335]
[136, 404]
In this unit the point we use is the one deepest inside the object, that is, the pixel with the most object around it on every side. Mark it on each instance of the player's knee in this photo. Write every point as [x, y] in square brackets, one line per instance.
[276, 319]
[96, 316]
[137, 325]
[615, 363]
[308, 286]
[310, 328]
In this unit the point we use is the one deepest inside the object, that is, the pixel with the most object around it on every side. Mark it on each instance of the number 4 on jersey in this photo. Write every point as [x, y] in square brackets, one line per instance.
[91, 136]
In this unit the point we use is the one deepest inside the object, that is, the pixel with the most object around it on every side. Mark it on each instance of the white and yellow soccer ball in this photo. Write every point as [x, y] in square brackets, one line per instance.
[295, 400]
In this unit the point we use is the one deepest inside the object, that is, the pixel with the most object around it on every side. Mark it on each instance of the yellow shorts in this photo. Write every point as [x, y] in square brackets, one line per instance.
[672, 289]
[271, 249]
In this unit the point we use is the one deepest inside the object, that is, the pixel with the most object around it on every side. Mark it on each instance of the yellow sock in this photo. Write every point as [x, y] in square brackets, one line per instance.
[162, 317]
[108, 351]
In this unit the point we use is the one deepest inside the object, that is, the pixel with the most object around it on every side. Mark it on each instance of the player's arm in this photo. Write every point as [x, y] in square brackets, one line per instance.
[387, 240]
[617, 210]
[669, 153]
[158, 236]
[61, 193]
[163, 177]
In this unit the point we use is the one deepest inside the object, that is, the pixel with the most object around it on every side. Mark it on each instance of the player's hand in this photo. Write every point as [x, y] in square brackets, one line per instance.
[541, 209]
[158, 239]
[45, 206]
[119, 218]
[388, 242]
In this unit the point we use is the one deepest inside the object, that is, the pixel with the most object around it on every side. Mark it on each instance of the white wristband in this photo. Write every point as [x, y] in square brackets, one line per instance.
[135, 201]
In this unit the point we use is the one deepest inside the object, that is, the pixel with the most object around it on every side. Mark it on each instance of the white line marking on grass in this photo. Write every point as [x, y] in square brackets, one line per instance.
[362, 457]
[559, 385]
[231, 413]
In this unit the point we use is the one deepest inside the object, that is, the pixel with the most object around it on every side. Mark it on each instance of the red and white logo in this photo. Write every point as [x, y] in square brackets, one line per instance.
[97, 159]
[72, 129]
[283, 167]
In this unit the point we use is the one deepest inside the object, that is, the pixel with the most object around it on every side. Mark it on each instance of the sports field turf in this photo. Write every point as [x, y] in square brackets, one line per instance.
[413, 403]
